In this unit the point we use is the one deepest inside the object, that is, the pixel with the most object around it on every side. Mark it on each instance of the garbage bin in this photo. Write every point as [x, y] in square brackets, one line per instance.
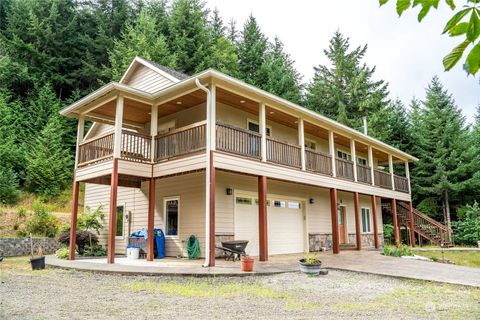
[133, 252]
[159, 244]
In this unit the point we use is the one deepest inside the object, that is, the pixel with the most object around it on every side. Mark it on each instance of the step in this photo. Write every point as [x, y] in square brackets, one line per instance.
[348, 246]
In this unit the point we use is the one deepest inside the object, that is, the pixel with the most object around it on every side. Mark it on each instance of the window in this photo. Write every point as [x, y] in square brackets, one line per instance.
[166, 126]
[361, 161]
[279, 204]
[241, 200]
[366, 220]
[171, 216]
[255, 127]
[310, 144]
[120, 214]
[294, 205]
[256, 202]
[343, 155]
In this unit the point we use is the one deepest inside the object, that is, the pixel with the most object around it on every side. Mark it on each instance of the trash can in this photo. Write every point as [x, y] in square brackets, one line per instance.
[159, 244]
[133, 252]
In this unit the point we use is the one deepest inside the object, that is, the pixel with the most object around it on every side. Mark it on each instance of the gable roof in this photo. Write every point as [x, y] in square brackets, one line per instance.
[176, 74]
[168, 73]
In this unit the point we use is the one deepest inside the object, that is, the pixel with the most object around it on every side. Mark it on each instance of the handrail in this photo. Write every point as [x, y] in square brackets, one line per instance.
[401, 183]
[96, 150]
[193, 125]
[283, 153]
[253, 133]
[364, 173]
[135, 146]
[109, 132]
[318, 161]
[382, 179]
[181, 141]
[344, 168]
[237, 140]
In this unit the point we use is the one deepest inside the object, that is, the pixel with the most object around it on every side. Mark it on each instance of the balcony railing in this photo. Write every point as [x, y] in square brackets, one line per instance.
[318, 162]
[383, 179]
[284, 153]
[237, 140]
[136, 147]
[180, 142]
[344, 168]
[364, 174]
[95, 150]
[401, 183]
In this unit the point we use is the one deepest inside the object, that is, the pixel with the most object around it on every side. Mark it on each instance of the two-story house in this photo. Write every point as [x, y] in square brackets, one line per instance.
[212, 156]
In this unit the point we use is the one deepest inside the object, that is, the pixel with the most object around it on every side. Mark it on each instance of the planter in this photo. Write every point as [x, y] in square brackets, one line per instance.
[38, 263]
[309, 268]
[247, 264]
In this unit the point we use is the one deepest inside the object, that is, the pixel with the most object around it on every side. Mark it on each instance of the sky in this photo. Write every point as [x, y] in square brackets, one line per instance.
[407, 54]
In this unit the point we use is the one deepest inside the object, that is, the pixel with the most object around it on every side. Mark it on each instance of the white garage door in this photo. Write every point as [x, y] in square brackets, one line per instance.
[285, 224]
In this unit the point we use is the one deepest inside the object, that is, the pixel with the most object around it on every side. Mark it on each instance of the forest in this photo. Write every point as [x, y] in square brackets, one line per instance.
[53, 52]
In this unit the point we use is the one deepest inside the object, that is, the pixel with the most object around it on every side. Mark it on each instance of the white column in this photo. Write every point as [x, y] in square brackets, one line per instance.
[331, 149]
[301, 142]
[354, 159]
[213, 116]
[262, 122]
[117, 147]
[80, 130]
[370, 164]
[407, 175]
[153, 129]
[390, 169]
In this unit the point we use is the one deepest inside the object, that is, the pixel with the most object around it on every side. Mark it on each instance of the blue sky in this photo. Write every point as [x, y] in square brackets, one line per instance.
[406, 53]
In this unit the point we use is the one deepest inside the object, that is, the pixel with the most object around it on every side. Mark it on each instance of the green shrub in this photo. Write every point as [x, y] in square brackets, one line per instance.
[62, 253]
[91, 220]
[83, 240]
[9, 192]
[388, 231]
[22, 212]
[96, 251]
[467, 229]
[42, 223]
[394, 251]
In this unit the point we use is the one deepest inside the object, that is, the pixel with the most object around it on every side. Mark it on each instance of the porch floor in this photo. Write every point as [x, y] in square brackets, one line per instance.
[358, 261]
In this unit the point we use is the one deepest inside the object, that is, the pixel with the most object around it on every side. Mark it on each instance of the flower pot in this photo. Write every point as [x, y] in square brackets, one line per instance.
[309, 268]
[247, 264]
[38, 263]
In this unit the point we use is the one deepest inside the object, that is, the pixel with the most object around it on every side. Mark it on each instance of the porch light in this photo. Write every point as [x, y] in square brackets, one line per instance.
[311, 201]
[179, 102]
[242, 101]
[229, 191]
[272, 112]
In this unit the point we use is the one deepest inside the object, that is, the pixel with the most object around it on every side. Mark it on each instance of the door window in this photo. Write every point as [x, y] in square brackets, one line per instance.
[171, 216]
[340, 216]
[120, 214]
[366, 220]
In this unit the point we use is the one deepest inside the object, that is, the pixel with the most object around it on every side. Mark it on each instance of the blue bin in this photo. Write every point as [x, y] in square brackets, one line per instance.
[159, 244]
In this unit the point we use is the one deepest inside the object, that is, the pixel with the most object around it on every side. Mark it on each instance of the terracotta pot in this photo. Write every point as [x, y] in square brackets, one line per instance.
[247, 264]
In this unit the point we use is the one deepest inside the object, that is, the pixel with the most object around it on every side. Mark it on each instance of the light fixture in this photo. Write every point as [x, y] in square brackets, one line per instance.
[296, 121]
[271, 112]
[229, 191]
[311, 201]
[179, 102]
[242, 101]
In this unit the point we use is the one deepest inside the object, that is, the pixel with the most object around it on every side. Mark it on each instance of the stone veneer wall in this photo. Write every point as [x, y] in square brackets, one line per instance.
[317, 241]
[10, 247]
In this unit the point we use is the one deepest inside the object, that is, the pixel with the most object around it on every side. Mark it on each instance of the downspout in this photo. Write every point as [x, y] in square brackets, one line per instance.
[207, 173]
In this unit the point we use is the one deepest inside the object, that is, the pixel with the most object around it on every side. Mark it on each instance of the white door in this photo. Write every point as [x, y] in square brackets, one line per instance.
[285, 224]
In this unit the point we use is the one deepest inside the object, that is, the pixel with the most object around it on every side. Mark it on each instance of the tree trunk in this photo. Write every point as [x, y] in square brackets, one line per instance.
[447, 214]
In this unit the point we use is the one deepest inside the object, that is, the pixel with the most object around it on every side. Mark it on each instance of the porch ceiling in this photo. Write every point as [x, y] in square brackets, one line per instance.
[134, 111]
[181, 103]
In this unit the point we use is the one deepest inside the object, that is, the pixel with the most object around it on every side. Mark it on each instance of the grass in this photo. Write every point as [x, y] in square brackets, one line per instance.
[462, 258]
[15, 263]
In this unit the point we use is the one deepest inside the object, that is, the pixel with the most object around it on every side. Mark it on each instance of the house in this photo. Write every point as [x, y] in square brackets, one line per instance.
[212, 156]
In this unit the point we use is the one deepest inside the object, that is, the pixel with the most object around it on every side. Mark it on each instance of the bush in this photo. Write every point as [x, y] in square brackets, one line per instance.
[467, 229]
[84, 238]
[96, 251]
[394, 251]
[43, 223]
[9, 193]
[62, 253]
[388, 232]
[22, 212]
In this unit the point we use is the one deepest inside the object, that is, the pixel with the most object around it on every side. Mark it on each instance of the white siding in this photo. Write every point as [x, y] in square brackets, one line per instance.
[146, 79]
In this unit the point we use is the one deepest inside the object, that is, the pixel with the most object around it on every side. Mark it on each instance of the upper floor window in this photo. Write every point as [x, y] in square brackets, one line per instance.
[255, 127]
[343, 155]
[166, 126]
[310, 144]
[361, 161]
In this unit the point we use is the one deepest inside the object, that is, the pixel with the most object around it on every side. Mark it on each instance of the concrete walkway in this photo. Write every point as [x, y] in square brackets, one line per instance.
[358, 261]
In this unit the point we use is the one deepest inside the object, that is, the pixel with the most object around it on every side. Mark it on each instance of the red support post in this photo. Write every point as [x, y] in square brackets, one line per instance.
[334, 214]
[73, 220]
[357, 221]
[396, 231]
[151, 219]
[412, 225]
[112, 222]
[212, 212]
[375, 223]
[262, 218]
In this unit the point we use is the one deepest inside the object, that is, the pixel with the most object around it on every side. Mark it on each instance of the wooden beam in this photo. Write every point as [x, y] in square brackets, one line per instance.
[353, 153]
[262, 121]
[370, 163]
[212, 212]
[331, 151]
[301, 142]
[73, 220]
[107, 120]
[375, 224]
[112, 223]
[80, 132]
[358, 235]
[334, 216]
[151, 219]
[396, 231]
[262, 218]
[412, 224]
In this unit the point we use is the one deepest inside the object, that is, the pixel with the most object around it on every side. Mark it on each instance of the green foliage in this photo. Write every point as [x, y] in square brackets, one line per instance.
[42, 223]
[465, 22]
[467, 229]
[394, 251]
[388, 231]
[9, 192]
[312, 258]
[95, 251]
[84, 240]
[91, 220]
[62, 253]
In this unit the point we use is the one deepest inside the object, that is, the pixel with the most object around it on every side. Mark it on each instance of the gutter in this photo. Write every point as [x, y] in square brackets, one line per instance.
[207, 174]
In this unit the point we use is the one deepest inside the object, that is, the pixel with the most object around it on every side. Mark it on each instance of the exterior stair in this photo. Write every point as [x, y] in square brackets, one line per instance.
[436, 232]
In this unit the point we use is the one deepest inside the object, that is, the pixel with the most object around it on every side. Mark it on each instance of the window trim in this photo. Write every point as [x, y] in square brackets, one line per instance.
[311, 141]
[258, 124]
[343, 151]
[362, 158]
[124, 205]
[165, 217]
[369, 218]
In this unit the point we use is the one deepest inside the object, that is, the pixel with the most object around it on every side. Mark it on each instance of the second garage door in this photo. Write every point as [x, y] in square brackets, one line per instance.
[286, 224]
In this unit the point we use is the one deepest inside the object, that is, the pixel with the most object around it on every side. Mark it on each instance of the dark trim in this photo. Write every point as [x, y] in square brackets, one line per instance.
[112, 223]
[73, 220]
[262, 218]
[358, 236]
[151, 219]
[375, 224]
[396, 231]
[334, 214]
[412, 225]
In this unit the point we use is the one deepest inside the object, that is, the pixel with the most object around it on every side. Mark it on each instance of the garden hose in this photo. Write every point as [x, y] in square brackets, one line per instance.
[193, 247]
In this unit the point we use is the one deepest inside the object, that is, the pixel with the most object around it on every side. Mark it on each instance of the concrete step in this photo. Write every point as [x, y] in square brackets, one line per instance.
[348, 246]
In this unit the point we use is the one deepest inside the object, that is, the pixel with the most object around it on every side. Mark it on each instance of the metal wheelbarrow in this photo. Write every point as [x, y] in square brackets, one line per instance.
[234, 249]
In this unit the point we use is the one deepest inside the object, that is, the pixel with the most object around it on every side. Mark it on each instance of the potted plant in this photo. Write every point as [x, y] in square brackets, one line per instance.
[247, 263]
[38, 262]
[310, 264]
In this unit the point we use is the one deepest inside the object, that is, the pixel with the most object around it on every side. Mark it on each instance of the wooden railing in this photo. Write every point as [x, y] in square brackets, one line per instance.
[284, 153]
[136, 147]
[318, 162]
[237, 140]
[401, 183]
[95, 150]
[364, 174]
[344, 168]
[181, 141]
[383, 179]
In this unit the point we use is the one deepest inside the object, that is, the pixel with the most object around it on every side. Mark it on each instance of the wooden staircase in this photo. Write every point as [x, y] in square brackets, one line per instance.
[436, 232]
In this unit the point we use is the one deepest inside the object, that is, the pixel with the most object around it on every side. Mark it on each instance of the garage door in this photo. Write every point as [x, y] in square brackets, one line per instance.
[285, 224]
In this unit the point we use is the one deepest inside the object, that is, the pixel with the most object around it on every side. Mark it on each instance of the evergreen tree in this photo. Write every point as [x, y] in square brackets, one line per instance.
[252, 48]
[346, 91]
[232, 32]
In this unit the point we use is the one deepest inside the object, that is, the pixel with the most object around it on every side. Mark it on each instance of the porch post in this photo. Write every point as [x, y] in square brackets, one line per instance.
[358, 236]
[390, 169]
[396, 231]
[151, 219]
[153, 130]
[212, 213]
[407, 175]
[412, 225]
[301, 142]
[370, 164]
[331, 149]
[334, 214]
[375, 224]
[80, 131]
[354, 159]
[73, 220]
[262, 218]
[117, 147]
[262, 122]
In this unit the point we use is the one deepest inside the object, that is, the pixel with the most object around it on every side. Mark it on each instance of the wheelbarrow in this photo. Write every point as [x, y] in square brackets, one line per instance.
[233, 250]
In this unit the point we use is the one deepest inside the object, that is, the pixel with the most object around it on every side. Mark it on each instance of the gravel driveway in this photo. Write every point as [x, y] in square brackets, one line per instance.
[62, 294]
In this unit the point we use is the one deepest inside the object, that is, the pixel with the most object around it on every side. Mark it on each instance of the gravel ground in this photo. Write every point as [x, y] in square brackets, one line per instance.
[62, 294]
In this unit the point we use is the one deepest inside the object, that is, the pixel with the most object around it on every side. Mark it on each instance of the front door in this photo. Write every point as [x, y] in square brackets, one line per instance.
[341, 224]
